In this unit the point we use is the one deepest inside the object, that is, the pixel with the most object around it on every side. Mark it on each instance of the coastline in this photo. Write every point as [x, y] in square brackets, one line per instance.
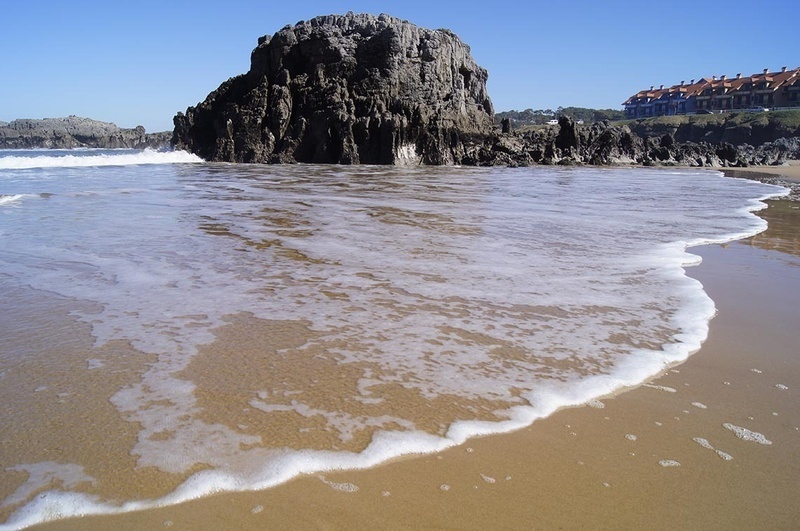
[577, 468]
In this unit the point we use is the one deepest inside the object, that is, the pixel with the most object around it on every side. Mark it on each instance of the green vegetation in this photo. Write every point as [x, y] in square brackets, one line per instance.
[542, 116]
[788, 120]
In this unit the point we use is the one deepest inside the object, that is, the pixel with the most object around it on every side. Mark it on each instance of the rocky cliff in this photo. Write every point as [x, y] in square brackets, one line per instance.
[74, 131]
[347, 89]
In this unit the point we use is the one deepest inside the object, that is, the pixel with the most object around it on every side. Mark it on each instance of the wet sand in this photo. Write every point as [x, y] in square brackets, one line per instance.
[654, 457]
[790, 171]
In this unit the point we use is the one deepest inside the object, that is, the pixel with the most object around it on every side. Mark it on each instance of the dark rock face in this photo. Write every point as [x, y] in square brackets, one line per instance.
[732, 130]
[74, 131]
[602, 144]
[350, 89]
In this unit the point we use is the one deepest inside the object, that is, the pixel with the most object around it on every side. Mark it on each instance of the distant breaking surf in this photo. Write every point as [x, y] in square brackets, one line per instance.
[85, 159]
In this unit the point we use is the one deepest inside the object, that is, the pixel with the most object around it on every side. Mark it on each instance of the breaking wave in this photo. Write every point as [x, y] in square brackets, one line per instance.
[21, 160]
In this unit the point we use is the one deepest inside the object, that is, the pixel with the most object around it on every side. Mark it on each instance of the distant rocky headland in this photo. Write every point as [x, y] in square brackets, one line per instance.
[75, 132]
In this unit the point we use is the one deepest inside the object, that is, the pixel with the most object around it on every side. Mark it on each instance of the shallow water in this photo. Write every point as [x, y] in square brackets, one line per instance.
[172, 329]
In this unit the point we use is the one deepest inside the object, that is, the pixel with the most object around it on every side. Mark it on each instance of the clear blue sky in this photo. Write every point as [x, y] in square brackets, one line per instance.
[139, 62]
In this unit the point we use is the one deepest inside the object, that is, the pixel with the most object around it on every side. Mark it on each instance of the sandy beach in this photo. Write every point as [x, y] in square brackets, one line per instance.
[712, 443]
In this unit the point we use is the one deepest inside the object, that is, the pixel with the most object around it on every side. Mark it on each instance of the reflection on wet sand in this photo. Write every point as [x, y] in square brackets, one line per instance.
[782, 234]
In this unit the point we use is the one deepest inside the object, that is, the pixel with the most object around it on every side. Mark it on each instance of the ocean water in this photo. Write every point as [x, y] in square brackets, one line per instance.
[173, 328]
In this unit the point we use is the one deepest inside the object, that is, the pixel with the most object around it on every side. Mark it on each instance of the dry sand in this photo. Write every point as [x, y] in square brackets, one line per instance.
[658, 456]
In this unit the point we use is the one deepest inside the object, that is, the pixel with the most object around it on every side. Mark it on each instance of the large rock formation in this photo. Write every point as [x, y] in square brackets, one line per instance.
[346, 89]
[73, 132]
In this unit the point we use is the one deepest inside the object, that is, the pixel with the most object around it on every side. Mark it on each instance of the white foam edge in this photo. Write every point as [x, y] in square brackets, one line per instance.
[752, 206]
[53, 505]
[385, 445]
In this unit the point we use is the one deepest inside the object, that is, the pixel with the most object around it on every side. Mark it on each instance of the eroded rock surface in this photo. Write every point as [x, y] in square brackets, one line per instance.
[604, 144]
[350, 89]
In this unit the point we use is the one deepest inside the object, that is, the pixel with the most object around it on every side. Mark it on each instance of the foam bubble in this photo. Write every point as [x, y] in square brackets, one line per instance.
[707, 445]
[781, 387]
[630, 436]
[747, 435]
[343, 487]
[595, 404]
[703, 442]
[669, 463]
[699, 405]
[488, 479]
[661, 388]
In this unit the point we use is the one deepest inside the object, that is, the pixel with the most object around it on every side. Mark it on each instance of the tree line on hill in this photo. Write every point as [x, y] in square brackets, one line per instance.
[542, 116]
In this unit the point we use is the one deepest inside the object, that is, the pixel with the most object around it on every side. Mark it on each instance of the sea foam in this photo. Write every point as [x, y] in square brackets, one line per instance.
[69, 159]
[527, 289]
[11, 199]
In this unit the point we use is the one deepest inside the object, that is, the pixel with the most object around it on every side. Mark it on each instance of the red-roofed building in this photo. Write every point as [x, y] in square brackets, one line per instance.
[789, 96]
[767, 89]
[677, 99]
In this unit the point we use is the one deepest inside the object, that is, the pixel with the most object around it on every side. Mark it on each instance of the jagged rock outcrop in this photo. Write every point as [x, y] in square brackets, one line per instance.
[604, 144]
[74, 131]
[732, 128]
[348, 89]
